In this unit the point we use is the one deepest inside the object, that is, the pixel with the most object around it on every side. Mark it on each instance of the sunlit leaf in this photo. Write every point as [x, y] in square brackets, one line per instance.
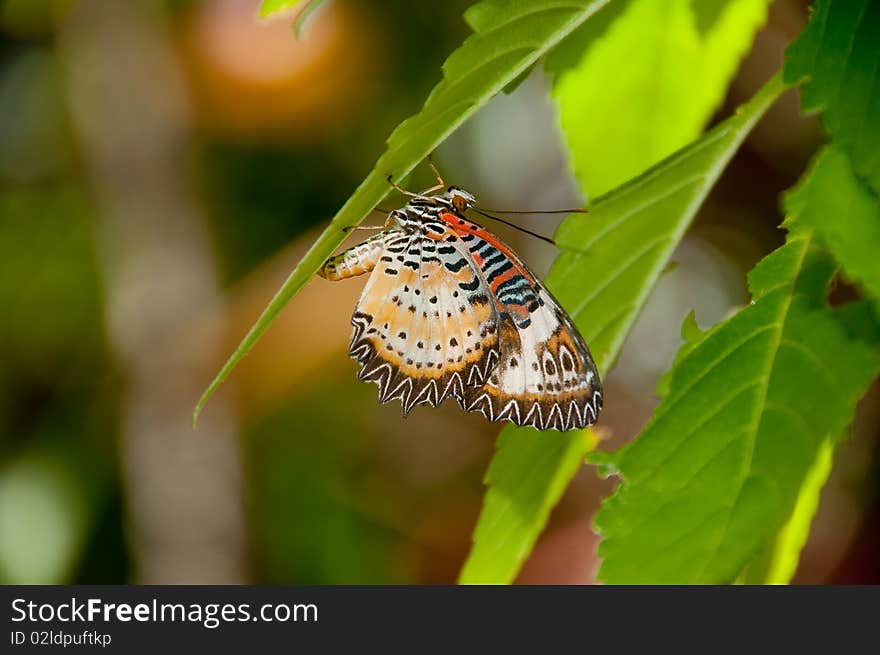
[510, 37]
[838, 55]
[779, 563]
[610, 261]
[650, 84]
[269, 7]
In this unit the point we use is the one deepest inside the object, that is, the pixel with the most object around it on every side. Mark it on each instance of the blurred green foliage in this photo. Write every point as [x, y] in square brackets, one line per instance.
[57, 400]
[256, 209]
[309, 521]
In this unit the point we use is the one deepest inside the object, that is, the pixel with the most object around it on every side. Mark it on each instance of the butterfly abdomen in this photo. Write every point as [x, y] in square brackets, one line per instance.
[357, 260]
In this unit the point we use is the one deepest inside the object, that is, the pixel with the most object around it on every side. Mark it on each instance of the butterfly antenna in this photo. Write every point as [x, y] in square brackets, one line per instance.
[515, 226]
[539, 211]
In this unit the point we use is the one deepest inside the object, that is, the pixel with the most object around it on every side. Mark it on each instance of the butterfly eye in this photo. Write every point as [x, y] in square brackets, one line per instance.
[460, 199]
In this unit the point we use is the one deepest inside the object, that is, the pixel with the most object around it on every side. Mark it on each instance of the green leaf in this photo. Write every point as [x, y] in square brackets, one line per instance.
[610, 261]
[570, 51]
[622, 113]
[511, 36]
[269, 7]
[526, 481]
[838, 54]
[690, 331]
[690, 336]
[779, 563]
[717, 472]
[845, 214]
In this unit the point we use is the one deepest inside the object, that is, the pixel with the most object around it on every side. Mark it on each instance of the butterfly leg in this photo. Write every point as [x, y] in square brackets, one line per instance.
[440, 183]
[437, 187]
[423, 194]
[357, 260]
[400, 189]
[388, 220]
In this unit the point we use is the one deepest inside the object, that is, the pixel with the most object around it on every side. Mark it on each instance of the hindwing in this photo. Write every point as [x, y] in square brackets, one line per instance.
[545, 376]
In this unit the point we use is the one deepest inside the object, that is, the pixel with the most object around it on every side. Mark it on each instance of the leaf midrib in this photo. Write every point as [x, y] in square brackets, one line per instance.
[760, 407]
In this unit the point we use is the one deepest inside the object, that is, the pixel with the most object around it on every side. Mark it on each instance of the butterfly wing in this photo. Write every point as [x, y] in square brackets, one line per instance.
[423, 329]
[545, 376]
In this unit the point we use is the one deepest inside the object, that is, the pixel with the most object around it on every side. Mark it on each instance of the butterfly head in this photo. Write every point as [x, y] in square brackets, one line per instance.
[459, 198]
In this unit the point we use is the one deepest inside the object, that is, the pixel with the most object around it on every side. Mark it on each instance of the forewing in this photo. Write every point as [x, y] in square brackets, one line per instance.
[423, 329]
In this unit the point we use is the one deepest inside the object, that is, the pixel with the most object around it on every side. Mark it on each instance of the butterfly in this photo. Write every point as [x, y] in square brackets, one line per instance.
[449, 310]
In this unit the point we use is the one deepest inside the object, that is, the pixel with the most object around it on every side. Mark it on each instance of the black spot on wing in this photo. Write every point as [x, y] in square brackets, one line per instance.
[473, 285]
[456, 266]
